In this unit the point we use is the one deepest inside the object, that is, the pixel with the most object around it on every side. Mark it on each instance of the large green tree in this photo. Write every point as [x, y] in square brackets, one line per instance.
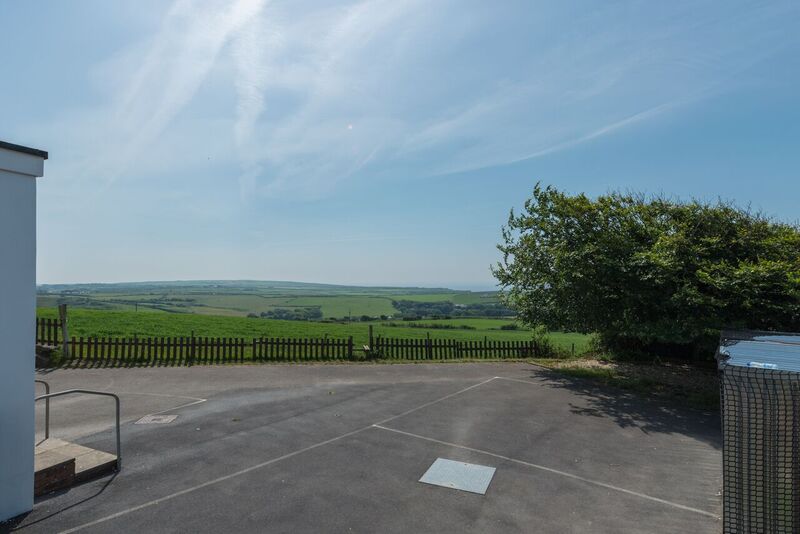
[649, 273]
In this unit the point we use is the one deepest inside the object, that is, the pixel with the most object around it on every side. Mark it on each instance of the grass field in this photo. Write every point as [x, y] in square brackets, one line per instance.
[463, 297]
[344, 306]
[240, 298]
[102, 323]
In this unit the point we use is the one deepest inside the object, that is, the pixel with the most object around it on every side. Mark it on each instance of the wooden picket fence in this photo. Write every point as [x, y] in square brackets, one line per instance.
[158, 350]
[204, 350]
[283, 349]
[449, 349]
[193, 350]
[48, 331]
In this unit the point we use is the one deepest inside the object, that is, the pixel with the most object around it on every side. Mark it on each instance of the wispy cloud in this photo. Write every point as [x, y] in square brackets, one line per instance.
[330, 130]
[400, 86]
[251, 47]
[306, 95]
[216, 135]
[158, 84]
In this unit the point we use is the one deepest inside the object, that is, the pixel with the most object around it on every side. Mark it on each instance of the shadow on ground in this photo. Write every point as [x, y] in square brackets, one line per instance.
[14, 524]
[629, 409]
[110, 364]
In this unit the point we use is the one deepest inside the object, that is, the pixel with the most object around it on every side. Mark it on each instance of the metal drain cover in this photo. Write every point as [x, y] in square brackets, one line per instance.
[459, 475]
[156, 419]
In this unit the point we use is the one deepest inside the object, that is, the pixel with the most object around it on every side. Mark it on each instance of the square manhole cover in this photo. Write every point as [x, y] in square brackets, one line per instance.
[156, 419]
[459, 475]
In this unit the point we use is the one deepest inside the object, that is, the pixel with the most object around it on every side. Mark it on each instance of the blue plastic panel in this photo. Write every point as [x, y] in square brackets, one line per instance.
[761, 350]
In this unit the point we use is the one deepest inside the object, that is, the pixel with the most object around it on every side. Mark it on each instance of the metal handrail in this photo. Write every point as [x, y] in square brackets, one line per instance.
[46, 408]
[89, 392]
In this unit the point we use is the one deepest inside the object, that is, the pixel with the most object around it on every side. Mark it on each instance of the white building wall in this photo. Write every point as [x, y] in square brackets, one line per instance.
[18, 173]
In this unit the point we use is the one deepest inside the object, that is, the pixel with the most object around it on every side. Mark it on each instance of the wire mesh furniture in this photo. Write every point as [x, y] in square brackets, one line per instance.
[760, 401]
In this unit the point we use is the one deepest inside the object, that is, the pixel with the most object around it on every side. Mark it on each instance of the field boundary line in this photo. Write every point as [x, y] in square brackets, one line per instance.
[551, 470]
[262, 464]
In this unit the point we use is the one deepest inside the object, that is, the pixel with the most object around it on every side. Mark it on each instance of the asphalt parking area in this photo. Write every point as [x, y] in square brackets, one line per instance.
[340, 448]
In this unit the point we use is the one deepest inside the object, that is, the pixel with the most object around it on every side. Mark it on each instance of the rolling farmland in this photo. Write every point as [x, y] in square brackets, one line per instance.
[246, 309]
[228, 298]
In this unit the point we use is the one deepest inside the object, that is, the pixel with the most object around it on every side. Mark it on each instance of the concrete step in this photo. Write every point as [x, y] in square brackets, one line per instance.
[59, 464]
[52, 472]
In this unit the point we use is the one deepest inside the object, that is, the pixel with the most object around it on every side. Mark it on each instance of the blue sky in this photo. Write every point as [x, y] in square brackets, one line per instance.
[379, 142]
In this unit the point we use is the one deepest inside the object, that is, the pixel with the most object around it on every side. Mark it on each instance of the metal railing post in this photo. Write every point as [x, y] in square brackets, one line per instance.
[46, 408]
[48, 396]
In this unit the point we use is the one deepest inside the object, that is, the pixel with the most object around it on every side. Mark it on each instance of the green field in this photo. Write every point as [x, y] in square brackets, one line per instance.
[462, 297]
[240, 298]
[101, 323]
[345, 306]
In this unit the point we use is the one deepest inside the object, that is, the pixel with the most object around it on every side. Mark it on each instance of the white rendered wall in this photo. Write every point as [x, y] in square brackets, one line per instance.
[17, 329]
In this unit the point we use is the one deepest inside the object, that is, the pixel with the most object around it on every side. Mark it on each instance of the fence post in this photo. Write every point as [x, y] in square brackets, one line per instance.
[191, 351]
[62, 313]
[371, 340]
[350, 348]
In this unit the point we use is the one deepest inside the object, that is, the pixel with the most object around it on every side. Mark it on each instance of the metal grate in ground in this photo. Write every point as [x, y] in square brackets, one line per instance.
[459, 475]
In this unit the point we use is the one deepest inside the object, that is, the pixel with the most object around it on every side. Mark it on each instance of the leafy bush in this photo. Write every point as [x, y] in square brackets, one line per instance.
[652, 274]
[294, 314]
[413, 308]
[543, 347]
[432, 326]
[446, 309]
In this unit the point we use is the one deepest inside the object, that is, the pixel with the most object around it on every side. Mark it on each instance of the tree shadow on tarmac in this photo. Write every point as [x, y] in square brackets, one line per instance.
[632, 410]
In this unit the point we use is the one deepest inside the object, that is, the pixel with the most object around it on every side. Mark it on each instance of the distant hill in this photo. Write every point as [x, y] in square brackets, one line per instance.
[248, 285]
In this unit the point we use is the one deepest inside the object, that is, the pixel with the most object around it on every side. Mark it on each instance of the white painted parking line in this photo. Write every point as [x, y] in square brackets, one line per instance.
[551, 470]
[262, 464]
[159, 395]
[199, 401]
[519, 379]
[192, 400]
[412, 410]
[211, 482]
